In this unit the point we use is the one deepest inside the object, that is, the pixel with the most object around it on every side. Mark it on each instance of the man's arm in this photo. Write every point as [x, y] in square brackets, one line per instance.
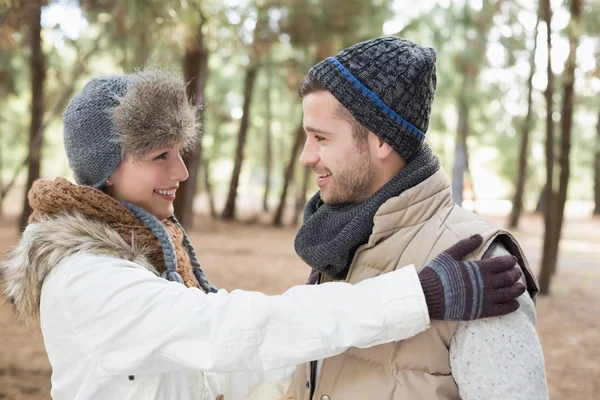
[500, 357]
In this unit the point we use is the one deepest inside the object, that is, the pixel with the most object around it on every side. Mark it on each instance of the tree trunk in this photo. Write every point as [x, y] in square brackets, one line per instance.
[469, 64]
[229, 210]
[517, 207]
[472, 183]
[597, 169]
[59, 106]
[540, 206]
[550, 222]
[268, 141]
[301, 196]
[37, 67]
[208, 188]
[566, 121]
[195, 70]
[460, 152]
[325, 49]
[260, 46]
[288, 175]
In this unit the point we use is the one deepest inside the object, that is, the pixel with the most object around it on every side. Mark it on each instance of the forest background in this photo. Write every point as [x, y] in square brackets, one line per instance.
[515, 122]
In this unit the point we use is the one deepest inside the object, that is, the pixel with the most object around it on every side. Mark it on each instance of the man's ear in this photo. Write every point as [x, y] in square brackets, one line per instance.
[383, 149]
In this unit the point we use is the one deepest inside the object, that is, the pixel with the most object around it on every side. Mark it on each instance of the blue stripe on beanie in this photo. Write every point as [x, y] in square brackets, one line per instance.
[391, 113]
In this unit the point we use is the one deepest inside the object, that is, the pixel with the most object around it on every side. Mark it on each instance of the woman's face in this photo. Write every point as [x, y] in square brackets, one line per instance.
[151, 182]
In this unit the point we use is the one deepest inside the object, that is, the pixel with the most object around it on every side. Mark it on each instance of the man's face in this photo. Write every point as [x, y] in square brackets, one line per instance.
[343, 164]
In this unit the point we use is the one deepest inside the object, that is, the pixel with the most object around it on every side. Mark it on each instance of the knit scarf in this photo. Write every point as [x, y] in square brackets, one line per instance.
[167, 246]
[330, 235]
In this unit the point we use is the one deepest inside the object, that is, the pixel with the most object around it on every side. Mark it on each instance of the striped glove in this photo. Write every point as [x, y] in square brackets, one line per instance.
[466, 290]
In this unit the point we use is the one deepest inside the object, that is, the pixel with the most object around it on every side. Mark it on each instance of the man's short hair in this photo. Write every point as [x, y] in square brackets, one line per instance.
[309, 85]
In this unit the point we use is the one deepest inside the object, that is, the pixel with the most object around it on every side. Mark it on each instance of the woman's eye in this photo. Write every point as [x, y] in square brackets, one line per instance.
[163, 156]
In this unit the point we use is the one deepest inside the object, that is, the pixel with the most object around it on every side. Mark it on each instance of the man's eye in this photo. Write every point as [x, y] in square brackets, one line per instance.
[163, 156]
[319, 138]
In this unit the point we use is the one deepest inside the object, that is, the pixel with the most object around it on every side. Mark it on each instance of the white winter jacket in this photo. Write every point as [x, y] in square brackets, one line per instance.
[114, 330]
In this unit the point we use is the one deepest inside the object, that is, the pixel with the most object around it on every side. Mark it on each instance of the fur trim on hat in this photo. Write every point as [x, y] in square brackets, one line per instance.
[155, 113]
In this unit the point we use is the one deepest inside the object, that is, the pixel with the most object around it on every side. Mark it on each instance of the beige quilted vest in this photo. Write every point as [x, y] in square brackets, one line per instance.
[409, 229]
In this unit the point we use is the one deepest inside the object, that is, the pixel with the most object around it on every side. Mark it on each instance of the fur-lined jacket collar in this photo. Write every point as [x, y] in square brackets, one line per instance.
[45, 244]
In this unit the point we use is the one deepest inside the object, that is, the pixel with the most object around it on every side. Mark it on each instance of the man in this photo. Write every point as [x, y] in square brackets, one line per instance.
[384, 202]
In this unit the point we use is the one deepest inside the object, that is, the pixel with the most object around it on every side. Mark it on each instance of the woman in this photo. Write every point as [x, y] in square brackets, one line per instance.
[90, 267]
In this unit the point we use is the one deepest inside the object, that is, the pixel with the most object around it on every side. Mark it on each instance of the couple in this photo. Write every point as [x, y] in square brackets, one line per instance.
[410, 296]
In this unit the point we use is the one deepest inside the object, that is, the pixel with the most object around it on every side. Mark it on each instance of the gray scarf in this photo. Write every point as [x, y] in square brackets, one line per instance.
[168, 248]
[330, 235]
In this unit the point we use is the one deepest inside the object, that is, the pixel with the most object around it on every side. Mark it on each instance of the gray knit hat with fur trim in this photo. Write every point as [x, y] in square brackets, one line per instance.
[130, 116]
[388, 85]
[127, 115]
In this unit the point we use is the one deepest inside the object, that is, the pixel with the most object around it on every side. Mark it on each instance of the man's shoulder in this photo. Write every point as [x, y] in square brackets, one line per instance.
[458, 216]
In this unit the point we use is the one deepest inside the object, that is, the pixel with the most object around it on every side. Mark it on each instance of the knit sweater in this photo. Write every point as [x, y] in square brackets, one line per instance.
[500, 357]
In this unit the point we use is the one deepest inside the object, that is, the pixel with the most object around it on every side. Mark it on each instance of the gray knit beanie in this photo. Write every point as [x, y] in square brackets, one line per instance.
[388, 85]
[127, 115]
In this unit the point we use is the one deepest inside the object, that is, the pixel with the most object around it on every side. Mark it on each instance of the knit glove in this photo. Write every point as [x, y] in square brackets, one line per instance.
[466, 290]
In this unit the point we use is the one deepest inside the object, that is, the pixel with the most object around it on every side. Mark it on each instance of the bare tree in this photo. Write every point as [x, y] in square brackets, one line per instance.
[550, 224]
[208, 188]
[522, 169]
[37, 65]
[555, 203]
[229, 210]
[461, 160]
[566, 120]
[258, 47]
[468, 63]
[195, 70]
[288, 175]
[268, 140]
[301, 196]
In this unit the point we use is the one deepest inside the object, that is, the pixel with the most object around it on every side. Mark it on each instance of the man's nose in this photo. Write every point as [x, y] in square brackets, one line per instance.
[309, 156]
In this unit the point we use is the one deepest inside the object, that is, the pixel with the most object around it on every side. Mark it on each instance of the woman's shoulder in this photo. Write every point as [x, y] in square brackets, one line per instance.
[85, 277]
[55, 250]
[84, 266]
[84, 272]
[72, 238]
[86, 260]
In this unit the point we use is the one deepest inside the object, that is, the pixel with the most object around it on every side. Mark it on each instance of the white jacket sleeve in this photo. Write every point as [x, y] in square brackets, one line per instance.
[500, 357]
[135, 322]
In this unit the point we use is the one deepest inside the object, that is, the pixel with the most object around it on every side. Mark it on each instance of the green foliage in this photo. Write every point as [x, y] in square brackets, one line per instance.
[482, 52]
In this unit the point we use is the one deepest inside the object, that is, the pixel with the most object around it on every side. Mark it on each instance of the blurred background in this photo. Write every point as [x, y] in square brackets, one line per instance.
[515, 122]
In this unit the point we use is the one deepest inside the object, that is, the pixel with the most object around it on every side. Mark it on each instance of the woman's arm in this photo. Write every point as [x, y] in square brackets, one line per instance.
[133, 321]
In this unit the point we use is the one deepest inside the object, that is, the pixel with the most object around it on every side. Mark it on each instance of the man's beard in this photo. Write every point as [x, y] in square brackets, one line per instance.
[352, 184]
